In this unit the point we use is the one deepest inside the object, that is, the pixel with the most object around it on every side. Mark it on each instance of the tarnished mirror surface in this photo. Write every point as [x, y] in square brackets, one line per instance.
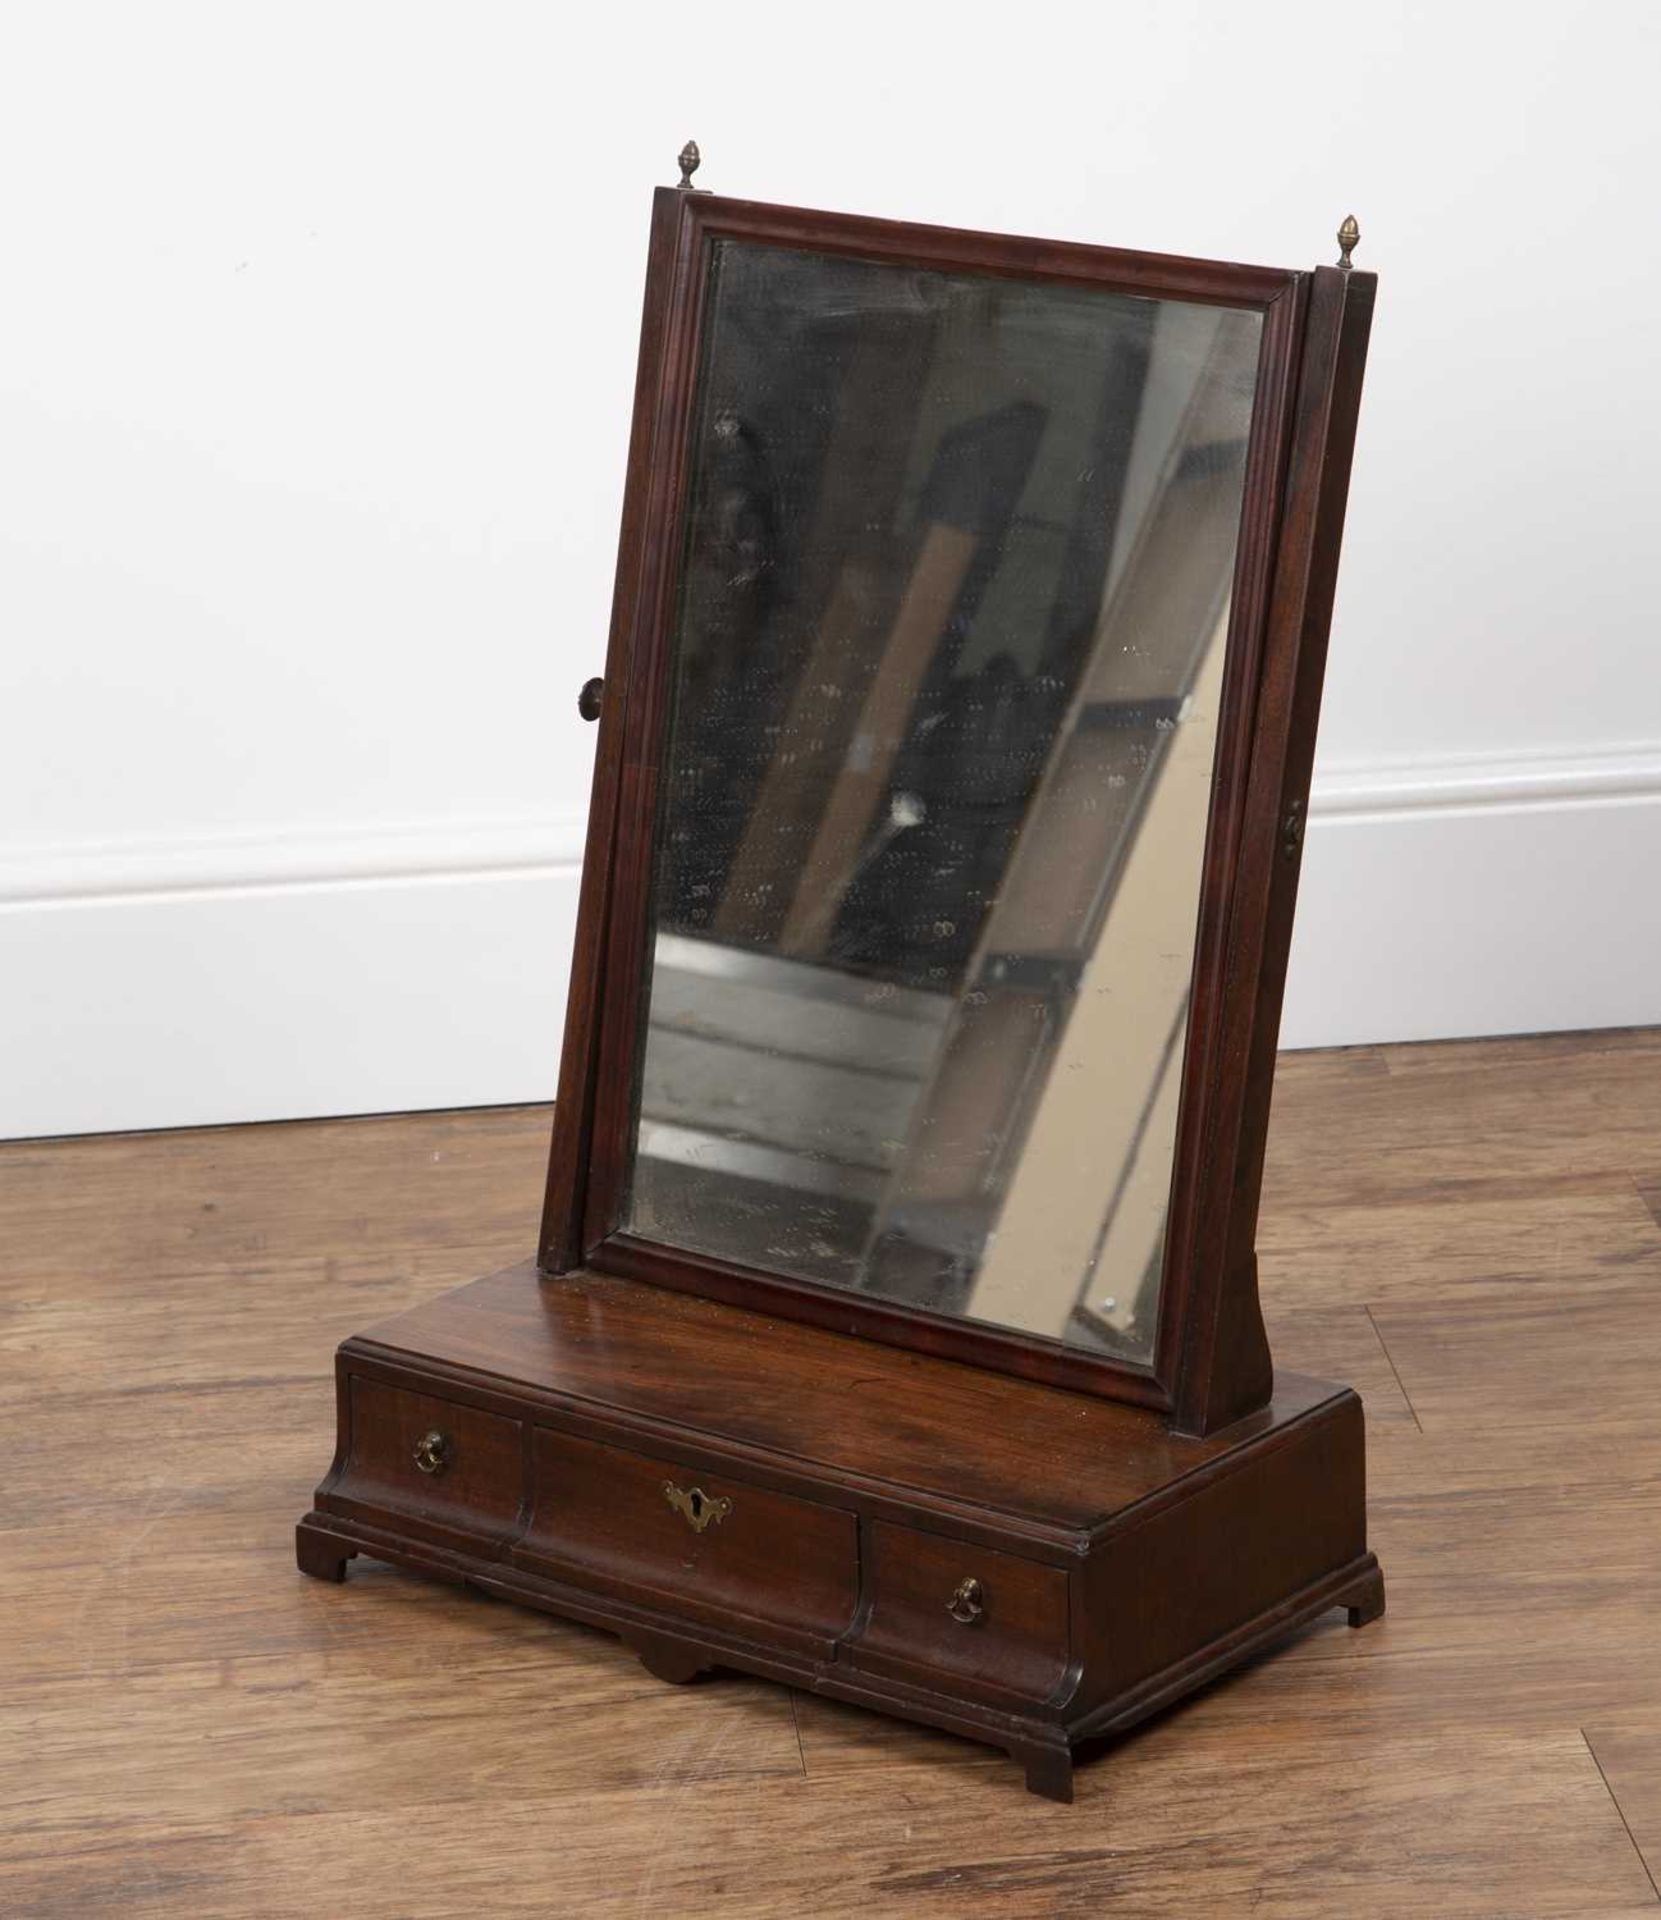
[946, 670]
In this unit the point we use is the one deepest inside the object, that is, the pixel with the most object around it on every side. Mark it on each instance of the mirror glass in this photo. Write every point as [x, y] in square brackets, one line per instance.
[945, 679]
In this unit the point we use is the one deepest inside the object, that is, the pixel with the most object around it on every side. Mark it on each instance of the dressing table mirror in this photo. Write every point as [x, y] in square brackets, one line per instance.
[894, 1331]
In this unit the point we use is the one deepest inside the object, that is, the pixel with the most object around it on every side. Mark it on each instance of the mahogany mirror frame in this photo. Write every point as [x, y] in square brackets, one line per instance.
[1211, 1362]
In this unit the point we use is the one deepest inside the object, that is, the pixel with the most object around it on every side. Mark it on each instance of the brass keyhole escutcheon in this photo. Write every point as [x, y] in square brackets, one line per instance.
[968, 1603]
[697, 1508]
[432, 1452]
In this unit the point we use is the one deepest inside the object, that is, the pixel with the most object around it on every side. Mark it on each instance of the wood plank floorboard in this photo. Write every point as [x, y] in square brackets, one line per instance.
[1629, 1758]
[1467, 1231]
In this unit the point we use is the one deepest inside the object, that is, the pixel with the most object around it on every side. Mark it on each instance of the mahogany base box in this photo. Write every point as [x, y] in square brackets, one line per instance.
[1026, 1566]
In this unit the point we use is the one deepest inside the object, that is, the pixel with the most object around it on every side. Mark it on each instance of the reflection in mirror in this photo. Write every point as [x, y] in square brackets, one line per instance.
[946, 672]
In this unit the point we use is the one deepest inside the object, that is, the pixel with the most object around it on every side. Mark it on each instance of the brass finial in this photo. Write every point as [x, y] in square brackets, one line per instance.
[1349, 236]
[690, 158]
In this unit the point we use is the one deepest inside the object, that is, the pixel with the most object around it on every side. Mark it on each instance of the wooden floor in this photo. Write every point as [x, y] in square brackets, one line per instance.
[1467, 1232]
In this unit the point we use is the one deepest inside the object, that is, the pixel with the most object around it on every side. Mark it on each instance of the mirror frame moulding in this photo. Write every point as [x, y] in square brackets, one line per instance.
[1211, 1362]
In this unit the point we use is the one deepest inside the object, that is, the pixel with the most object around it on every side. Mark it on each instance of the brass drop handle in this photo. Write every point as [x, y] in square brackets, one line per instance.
[697, 1508]
[967, 1604]
[432, 1452]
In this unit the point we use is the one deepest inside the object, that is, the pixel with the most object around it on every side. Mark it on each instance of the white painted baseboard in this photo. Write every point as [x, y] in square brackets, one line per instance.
[424, 966]
[245, 979]
[1517, 895]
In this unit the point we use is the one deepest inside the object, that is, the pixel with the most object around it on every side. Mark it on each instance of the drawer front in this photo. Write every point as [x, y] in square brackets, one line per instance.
[441, 1467]
[688, 1540]
[992, 1620]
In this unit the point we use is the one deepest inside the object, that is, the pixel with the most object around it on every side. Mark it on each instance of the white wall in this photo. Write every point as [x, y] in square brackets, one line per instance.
[316, 346]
